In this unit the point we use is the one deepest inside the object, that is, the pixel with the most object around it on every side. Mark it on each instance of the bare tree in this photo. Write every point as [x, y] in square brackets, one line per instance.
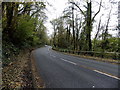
[89, 21]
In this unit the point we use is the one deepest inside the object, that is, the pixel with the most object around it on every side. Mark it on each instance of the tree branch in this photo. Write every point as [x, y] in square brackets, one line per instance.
[78, 8]
[98, 10]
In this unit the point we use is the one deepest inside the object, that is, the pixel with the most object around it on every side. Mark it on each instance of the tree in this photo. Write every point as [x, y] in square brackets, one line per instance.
[105, 33]
[54, 23]
[98, 30]
[89, 21]
[23, 26]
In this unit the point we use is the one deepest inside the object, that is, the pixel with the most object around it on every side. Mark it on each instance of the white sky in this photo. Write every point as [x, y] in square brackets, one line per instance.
[59, 5]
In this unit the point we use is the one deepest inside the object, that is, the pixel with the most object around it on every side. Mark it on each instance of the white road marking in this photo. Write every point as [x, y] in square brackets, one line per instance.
[107, 74]
[115, 77]
[68, 61]
[53, 56]
[48, 49]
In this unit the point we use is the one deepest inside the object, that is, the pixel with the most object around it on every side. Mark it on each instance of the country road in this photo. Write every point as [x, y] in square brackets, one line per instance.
[64, 71]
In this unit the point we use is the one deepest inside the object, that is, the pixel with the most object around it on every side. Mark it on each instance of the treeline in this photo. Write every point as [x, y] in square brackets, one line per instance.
[72, 30]
[23, 27]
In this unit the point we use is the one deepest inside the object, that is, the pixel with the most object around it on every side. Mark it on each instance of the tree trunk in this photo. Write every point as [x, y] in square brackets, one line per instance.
[98, 30]
[73, 27]
[89, 28]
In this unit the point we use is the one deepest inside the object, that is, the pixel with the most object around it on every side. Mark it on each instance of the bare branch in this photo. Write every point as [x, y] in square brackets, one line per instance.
[78, 8]
[98, 28]
[97, 11]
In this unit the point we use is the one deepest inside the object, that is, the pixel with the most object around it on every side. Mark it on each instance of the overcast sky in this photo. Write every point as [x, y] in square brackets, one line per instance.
[58, 6]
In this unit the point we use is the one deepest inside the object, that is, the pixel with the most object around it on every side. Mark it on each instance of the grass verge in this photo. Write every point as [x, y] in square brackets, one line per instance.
[94, 58]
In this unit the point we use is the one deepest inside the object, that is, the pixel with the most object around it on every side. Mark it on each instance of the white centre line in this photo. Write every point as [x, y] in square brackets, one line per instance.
[53, 56]
[48, 49]
[107, 74]
[112, 76]
[68, 61]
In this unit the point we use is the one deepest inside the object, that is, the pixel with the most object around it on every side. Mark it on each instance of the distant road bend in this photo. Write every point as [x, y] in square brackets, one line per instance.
[65, 71]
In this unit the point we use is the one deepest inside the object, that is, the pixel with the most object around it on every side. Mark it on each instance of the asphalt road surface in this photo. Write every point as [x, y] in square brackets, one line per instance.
[65, 71]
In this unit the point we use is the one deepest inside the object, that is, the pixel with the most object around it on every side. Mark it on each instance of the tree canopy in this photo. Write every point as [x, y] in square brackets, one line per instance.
[23, 26]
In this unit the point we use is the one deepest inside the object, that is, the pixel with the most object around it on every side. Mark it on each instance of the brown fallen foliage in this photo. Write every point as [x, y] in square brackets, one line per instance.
[18, 73]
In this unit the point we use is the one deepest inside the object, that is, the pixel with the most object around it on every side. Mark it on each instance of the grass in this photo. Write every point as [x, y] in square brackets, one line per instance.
[95, 58]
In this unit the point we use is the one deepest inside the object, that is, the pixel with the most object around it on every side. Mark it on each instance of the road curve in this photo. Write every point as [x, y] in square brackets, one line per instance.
[64, 71]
